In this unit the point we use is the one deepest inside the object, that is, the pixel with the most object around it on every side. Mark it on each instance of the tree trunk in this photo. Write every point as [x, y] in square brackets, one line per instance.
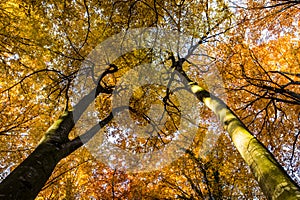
[30, 176]
[272, 178]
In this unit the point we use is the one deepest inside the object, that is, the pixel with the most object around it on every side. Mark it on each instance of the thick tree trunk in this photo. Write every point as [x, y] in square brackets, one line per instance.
[26, 181]
[273, 180]
[29, 177]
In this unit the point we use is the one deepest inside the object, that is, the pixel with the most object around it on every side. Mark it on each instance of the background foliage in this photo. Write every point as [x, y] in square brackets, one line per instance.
[254, 44]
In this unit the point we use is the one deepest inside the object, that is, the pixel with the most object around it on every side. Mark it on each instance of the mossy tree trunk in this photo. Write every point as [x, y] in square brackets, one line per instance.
[272, 178]
[28, 178]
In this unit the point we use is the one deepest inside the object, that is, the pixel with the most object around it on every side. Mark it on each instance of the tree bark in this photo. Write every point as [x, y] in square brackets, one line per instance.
[272, 178]
[30, 176]
[26, 181]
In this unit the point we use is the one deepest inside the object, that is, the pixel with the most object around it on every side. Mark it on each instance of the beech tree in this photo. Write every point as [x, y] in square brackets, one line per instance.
[44, 45]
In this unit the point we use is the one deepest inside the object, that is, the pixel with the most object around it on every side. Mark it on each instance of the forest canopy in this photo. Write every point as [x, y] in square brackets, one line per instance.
[137, 99]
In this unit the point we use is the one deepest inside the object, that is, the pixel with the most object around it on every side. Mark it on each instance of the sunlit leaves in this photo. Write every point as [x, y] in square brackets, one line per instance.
[255, 45]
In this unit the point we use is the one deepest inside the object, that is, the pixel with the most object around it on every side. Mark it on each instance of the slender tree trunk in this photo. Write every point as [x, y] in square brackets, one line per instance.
[272, 178]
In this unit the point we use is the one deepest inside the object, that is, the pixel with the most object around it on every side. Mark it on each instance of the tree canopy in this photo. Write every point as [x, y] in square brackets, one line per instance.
[226, 88]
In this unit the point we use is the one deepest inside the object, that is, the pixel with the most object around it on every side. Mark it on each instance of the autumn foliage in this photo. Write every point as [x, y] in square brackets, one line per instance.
[251, 56]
